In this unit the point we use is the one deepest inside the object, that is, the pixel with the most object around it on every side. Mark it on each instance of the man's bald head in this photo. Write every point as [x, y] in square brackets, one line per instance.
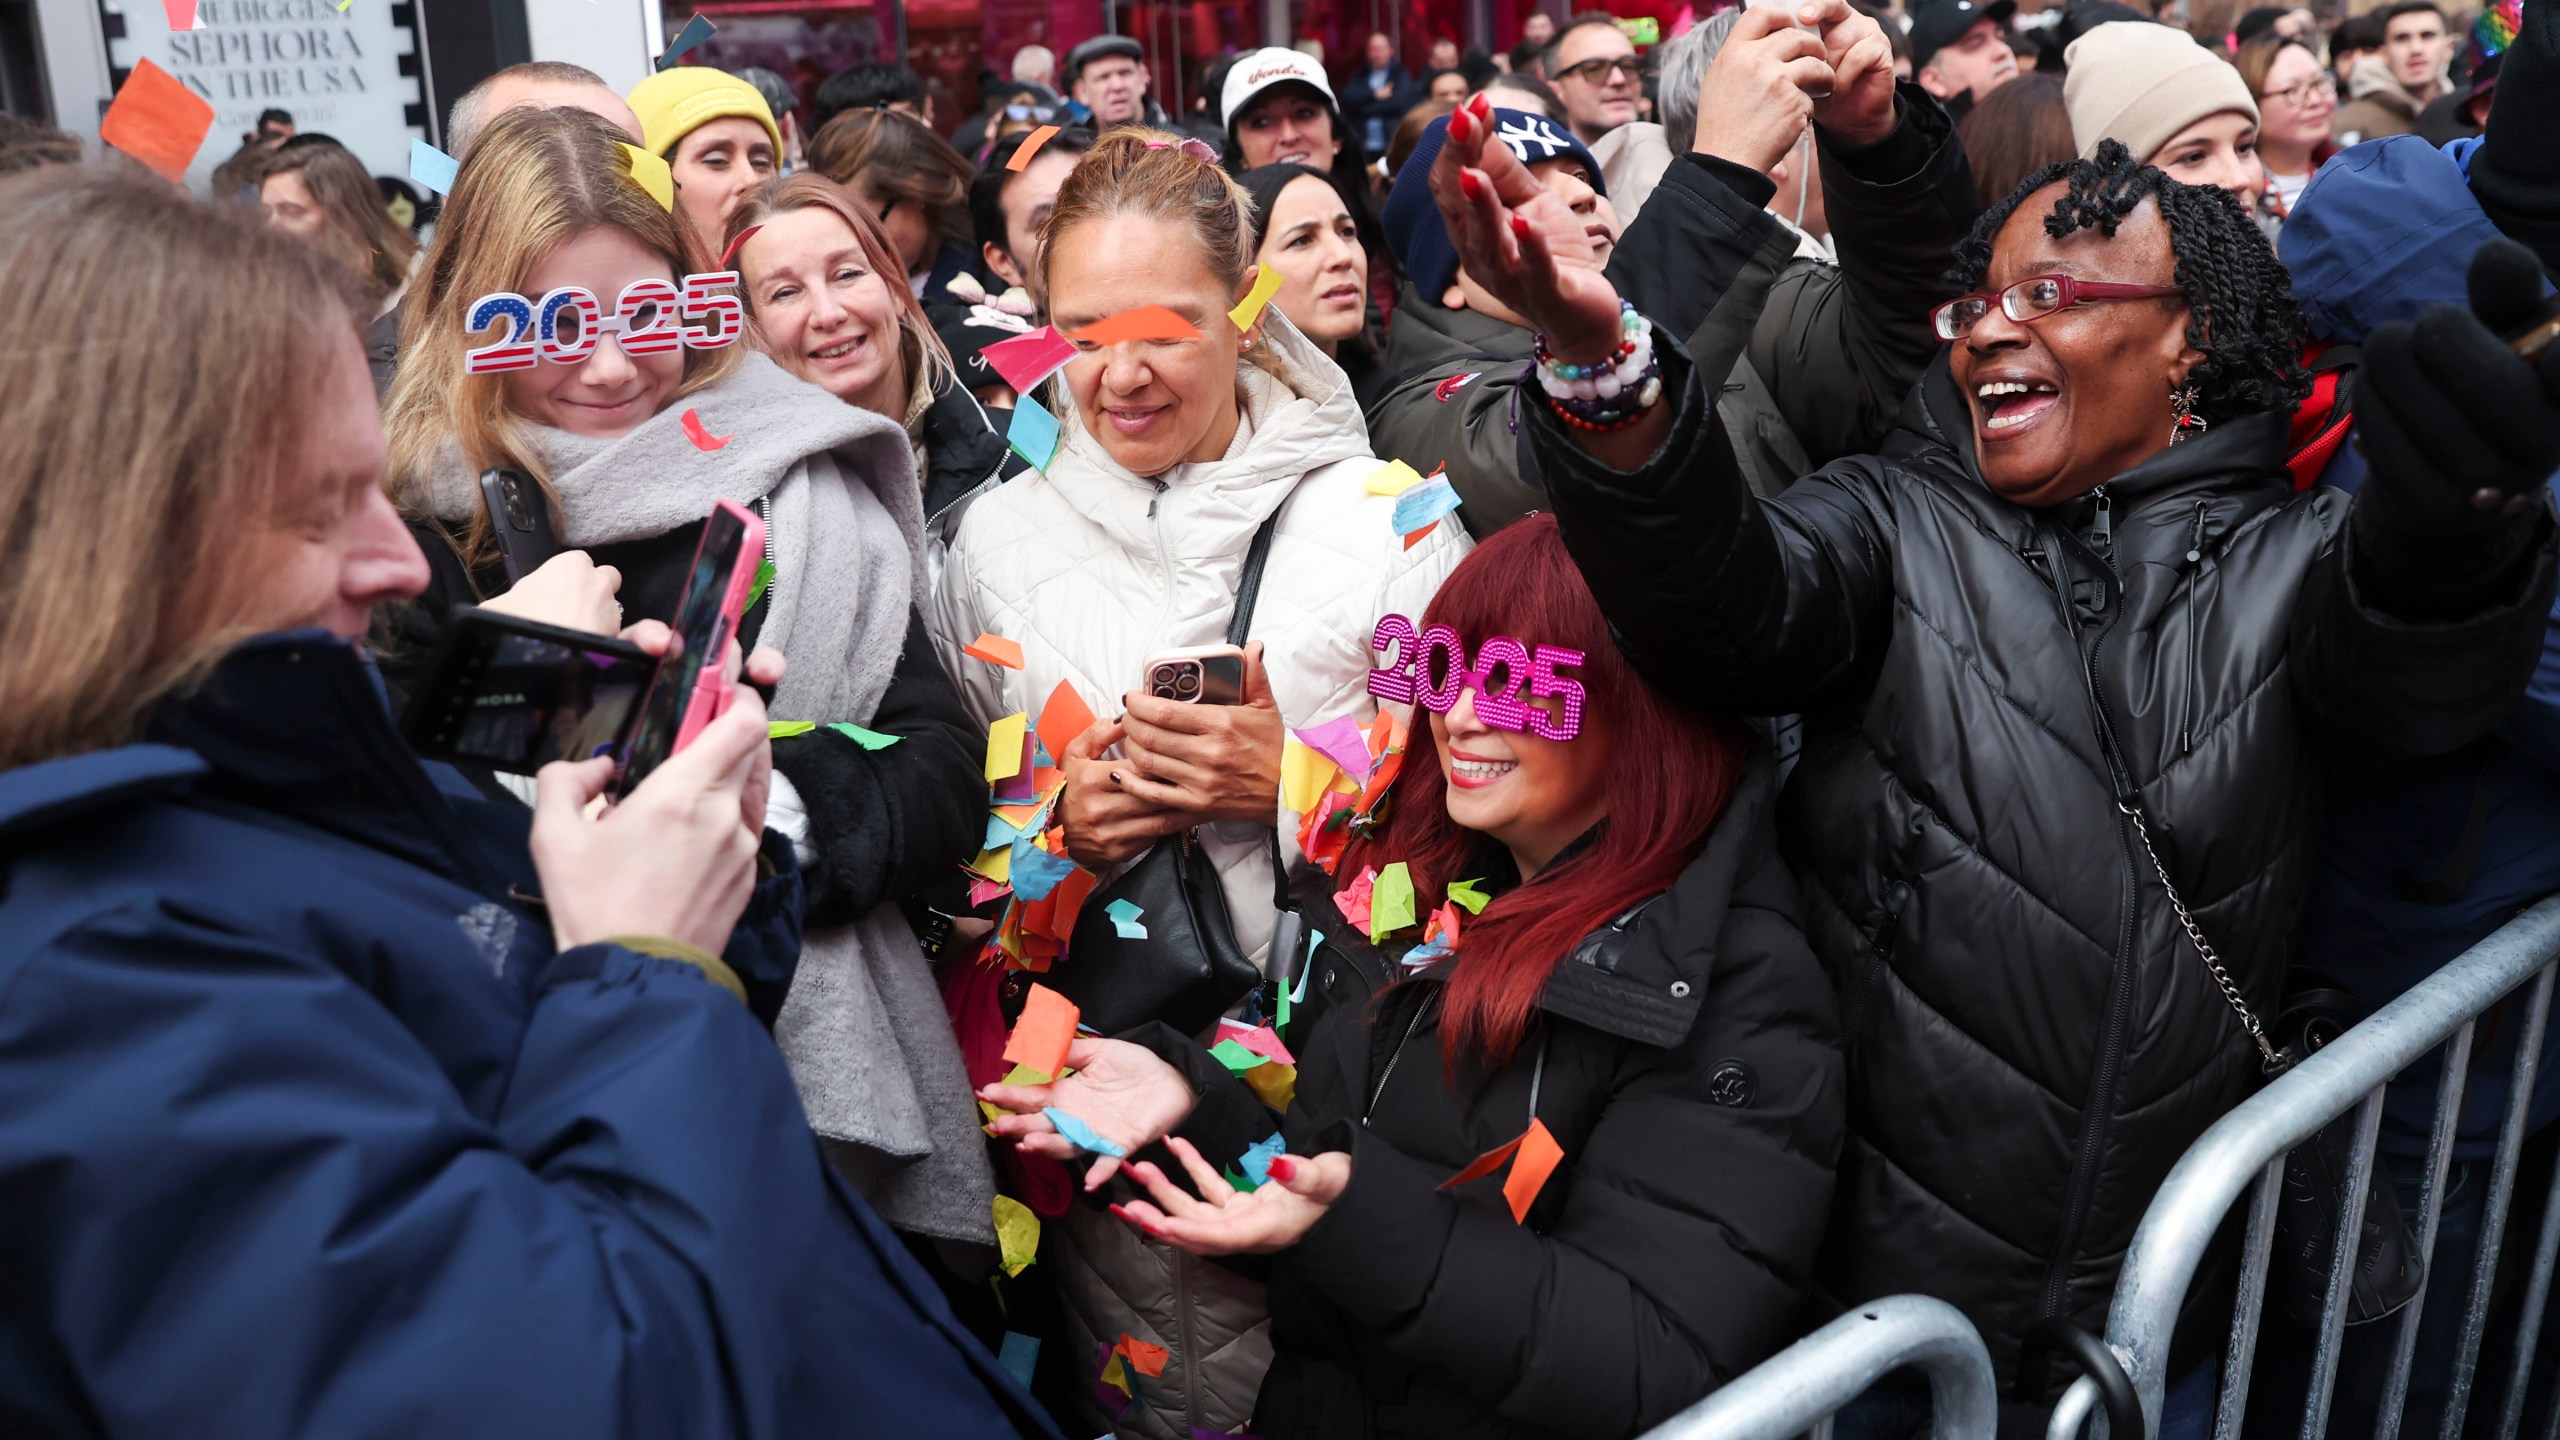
[542, 84]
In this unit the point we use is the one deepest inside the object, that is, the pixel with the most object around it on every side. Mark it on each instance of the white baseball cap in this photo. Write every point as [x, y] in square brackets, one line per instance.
[1261, 69]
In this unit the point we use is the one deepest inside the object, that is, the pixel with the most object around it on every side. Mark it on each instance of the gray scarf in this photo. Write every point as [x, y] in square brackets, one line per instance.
[864, 1029]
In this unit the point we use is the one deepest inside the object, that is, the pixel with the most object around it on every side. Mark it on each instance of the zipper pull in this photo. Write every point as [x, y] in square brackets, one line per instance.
[2102, 530]
[2195, 548]
[1152, 499]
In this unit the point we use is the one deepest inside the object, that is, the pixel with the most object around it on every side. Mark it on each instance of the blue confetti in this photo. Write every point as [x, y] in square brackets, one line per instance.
[1019, 1354]
[1036, 872]
[1080, 1135]
[695, 31]
[1033, 433]
[1000, 833]
[1257, 1158]
[1425, 504]
[1124, 918]
[432, 167]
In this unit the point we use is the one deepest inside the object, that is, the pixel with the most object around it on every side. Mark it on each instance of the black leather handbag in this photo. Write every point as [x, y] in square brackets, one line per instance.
[2388, 1269]
[1188, 968]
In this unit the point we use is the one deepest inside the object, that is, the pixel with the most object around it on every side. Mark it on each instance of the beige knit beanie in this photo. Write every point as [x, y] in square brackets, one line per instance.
[2141, 83]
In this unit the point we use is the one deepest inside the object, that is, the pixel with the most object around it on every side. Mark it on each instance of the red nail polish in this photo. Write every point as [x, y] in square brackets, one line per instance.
[1122, 1211]
[1469, 185]
[1519, 227]
[1283, 1168]
[1458, 120]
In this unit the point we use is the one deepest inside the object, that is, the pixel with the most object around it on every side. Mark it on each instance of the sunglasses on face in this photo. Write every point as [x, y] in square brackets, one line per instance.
[2035, 298]
[1595, 71]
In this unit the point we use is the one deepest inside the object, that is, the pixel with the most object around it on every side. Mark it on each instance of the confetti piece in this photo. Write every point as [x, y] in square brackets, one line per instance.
[1469, 894]
[1265, 285]
[1027, 359]
[785, 729]
[1264, 1041]
[1146, 1359]
[1029, 147]
[1275, 1084]
[1341, 741]
[1393, 478]
[1081, 1135]
[343, 5]
[1024, 783]
[652, 174]
[1235, 1057]
[1290, 997]
[701, 436]
[1124, 918]
[1425, 505]
[867, 739]
[1113, 1376]
[157, 120]
[1391, 902]
[1018, 1237]
[1063, 717]
[995, 650]
[1147, 322]
[763, 582]
[432, 167]
[1020, 1353]
[1036, 872]
[1000, 832]
[1032, 432]
[1538, 1153]
[1353, 900]
[695, 31]
[1642, 30]
[1305, 774]
[182, 14]
[982, 891]
[1040, 1038]
[1257, 1158]
[1004, 748]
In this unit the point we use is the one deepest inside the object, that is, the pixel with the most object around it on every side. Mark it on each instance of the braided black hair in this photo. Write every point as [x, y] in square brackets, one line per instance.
[2241, 314]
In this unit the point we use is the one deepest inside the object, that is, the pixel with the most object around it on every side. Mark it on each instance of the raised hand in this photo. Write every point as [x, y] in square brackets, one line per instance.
[1855, 105]
[1523, 245]
[1227, 1221]
[1128, 1094]
[1756, 99]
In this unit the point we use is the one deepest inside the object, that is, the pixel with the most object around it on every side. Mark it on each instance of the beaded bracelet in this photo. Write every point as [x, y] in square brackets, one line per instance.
[1608, 394]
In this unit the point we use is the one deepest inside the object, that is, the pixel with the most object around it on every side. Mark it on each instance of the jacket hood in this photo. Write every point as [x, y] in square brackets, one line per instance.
[1428, 335]
[1299, 415]
[2371, 79]
[2385, 230]
[34, 798]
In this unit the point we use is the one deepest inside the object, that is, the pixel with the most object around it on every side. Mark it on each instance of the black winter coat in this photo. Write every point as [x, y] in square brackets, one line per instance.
[1686, 1058]
[2032, 1042]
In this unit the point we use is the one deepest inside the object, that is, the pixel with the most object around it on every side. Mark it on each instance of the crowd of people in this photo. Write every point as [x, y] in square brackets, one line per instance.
[2010, 574]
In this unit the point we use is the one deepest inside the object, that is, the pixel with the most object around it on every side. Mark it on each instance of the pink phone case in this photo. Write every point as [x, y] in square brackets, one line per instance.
[710, 692]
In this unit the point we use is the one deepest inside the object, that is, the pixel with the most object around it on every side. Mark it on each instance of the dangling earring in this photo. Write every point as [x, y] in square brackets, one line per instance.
[2182, 414]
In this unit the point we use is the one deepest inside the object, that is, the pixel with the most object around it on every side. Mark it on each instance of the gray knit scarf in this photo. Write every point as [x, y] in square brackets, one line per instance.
[864, 1029]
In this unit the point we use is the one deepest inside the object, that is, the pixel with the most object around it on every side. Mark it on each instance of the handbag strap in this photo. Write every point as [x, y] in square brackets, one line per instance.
[1249, 581]
[2275, 1063]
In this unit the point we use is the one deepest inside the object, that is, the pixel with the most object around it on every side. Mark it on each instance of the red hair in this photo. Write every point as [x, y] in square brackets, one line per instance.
[1675, 770]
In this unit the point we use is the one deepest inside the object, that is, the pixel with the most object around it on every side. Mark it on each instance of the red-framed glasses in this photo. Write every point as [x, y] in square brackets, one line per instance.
[2033, 299]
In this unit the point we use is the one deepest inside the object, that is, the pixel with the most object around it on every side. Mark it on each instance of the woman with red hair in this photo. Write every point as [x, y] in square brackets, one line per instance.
[1636, 993]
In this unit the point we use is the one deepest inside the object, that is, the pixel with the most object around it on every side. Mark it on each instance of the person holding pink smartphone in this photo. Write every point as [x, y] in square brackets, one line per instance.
[654, 456]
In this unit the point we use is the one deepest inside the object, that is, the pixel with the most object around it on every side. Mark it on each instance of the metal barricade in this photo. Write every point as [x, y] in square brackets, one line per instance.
[2250, 1144]
[1798, 1389]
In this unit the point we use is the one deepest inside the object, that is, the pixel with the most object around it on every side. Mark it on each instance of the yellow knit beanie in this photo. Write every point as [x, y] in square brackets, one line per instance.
[674, 103]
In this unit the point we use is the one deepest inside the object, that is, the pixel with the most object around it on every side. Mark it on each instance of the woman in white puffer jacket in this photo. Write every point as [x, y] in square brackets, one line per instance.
[1131, 540]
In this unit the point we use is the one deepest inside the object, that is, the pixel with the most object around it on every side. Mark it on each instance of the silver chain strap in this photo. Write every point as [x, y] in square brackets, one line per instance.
[2195, 935]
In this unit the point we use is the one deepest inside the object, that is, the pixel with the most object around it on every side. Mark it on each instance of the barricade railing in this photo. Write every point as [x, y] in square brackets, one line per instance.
[2246, 1149]
[1796, 1391]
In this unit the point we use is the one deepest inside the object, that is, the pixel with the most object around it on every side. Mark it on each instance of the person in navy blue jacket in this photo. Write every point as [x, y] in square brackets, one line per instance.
[334, 1101]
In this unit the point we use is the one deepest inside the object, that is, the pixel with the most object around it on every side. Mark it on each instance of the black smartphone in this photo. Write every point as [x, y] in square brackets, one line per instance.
[515, 695]
[688, 691]
[519, 520]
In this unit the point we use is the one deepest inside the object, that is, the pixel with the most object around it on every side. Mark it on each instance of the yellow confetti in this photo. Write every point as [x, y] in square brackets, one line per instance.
[653, 175]
[1393, 478]
[1249, 309]
[1017, 1234]
[784, 729]
[1004, 746]
[1305, 774]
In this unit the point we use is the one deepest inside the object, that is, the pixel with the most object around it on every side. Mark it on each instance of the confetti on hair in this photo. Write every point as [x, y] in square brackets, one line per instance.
[157, 120]
[652, 175]
[1029, 147]
[732, 252]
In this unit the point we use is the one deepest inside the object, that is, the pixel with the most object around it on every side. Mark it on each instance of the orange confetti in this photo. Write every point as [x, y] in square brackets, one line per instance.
[157, 120]
[1040, 1038]
[1064, 717]
[1538, 1154]
[1146, 1359]
[1147, 322]
[996, 650]
[1030, 146]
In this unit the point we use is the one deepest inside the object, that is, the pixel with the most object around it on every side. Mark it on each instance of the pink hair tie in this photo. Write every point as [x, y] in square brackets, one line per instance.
[1195, 147]
[732, 252]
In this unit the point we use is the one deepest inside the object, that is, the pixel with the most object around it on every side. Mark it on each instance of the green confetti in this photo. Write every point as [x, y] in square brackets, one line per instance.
[764, 580]
[1235, 1057]
[1390, 902]
[1465, 893]
[867, 739]
[785, 729]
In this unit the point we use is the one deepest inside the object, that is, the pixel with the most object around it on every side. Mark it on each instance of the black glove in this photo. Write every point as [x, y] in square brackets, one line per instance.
[2462, 435]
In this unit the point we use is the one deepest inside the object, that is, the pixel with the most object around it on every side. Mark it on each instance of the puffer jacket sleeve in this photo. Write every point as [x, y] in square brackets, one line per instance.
[1684, 1244]
[1723, 601]
[249, 1202]
[954, 616]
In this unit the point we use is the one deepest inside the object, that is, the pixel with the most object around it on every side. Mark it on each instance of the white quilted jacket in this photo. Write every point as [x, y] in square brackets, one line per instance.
[1091, 568]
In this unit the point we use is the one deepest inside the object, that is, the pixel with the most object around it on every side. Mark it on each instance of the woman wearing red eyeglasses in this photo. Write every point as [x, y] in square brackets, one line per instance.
[2064, 649]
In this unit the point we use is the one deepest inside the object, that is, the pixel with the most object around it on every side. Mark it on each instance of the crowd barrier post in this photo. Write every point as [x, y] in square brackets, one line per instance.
[2246, 1150]
[1797, 1390]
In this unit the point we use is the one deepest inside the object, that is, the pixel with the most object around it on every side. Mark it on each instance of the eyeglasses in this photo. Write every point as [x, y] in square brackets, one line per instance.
[1595, 71]
[2304, 93]
[2035, 298]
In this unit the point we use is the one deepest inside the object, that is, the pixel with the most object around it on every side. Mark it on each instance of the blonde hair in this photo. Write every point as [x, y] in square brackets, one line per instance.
[920, 350]
[360, 232]
[153, 460]
[536, 179]
[1134, 171]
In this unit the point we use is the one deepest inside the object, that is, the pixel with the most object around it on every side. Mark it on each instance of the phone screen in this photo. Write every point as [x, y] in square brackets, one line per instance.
[700, 633]
[516, 697]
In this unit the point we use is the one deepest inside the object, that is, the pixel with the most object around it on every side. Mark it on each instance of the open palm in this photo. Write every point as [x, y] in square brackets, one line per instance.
[1127, 1094]
[1520, 243]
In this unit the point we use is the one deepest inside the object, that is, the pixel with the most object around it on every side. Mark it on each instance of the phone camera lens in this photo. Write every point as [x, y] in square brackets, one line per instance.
[1187, 684]
[1163, 678]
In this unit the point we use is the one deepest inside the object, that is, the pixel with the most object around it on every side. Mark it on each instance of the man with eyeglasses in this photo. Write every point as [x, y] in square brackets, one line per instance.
[1596, 69]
